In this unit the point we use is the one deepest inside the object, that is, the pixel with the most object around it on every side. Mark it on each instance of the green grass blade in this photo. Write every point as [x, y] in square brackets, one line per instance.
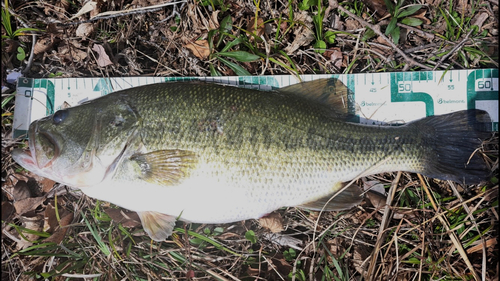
[240, 71]
[409, 11]
[103, 247]
[241, 56]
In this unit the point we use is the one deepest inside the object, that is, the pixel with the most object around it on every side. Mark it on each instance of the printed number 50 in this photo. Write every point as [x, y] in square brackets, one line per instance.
[404, 88]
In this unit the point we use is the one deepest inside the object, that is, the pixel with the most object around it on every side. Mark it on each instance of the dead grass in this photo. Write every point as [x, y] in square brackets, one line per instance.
[431, 230]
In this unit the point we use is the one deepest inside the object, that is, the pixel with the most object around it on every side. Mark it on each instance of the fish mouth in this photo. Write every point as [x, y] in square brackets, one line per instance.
[44, 148]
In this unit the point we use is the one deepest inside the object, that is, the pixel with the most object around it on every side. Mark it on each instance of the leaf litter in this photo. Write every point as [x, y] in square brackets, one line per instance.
[122, 38]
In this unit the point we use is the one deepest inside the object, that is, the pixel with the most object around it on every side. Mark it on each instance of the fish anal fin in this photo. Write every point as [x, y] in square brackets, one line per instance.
[328, 91]
[157, 225]
[166, 167]
[347, 199]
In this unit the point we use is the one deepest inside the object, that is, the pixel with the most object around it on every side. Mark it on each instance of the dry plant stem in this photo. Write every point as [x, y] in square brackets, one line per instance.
[452, 234]
[420, 32]
[383, 225]
[313, 242]
[376, 29]
[454, 50]
[419, 48]
[447, 211]
[473, 219]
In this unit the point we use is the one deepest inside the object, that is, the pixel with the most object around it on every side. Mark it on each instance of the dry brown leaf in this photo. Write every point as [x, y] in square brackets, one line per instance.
[199, 48]
[335, 55]
[351, 24]
[58, 236]
[46, 184]
[375, 193]
[7, 210]
[77, 55]
[214, 23]
[71, 53]
[84, 30]
[88, 7]
[28, 204]
[479, 19]
[20, 191]
[421, 16]
[125, 217]
[377, 200]
[378, 6]
[42, 45]
[50, 218]
[33, 223]
[361, 253]
[283, 266]
[303, 34]
[462, 7]
[489, 243]
[257, 29]
[103, 59]
[64, 3]
[273, 222]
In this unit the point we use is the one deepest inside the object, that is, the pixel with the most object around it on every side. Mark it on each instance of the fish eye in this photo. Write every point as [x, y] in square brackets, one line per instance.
[59, 116]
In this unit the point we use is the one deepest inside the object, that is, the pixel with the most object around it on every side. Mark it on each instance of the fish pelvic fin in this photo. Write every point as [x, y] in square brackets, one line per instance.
[453, 140]
[157, 225]
[166, 167]
[346, 199]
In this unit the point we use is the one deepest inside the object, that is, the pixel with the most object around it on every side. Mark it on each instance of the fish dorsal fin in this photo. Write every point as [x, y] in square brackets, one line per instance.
[166, 167]
[347, 199]
[157, 225]
[327, 91]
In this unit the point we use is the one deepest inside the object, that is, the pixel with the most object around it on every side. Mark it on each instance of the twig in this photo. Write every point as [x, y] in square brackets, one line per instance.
[114, 14]
[419, 48]
[383, 225]
[470, 213]
[420, 32]
[174, 12]
[455, 49]
[376, 29]
[452, 234]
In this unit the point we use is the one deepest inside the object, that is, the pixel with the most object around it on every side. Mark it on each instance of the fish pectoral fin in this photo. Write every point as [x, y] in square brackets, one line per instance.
[157, 225]
[166, 167]
[347, 199]
[329, 91]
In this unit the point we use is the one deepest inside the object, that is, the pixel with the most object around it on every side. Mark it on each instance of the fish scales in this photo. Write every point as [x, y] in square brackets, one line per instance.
[280, 141]
[210, 153]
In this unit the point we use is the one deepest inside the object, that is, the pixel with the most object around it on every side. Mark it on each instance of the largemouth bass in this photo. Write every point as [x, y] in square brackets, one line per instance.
[209, 153]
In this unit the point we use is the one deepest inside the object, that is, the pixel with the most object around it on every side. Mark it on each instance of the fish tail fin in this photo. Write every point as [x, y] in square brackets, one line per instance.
[453, 140]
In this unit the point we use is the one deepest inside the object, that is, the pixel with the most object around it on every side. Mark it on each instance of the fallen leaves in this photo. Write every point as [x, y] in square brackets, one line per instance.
[71, 53]
[43, 45]
[127, 218]
[28, 204]
[103, 58]
[87, 8]
[273, 222]
[336, 57]
[31, 211]
[303, 34]
[35, 224]
[57, 228]
[199, 48]
[84, 29]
